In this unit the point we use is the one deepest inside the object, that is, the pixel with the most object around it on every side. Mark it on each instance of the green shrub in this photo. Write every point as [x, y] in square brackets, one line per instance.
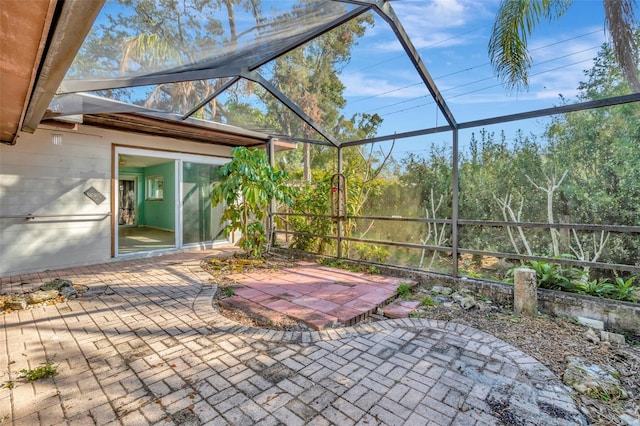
[428, 301]
[554, 276]
[624, 290]
[312, 199]
[247, 185]
[371, 252]
[403, 290]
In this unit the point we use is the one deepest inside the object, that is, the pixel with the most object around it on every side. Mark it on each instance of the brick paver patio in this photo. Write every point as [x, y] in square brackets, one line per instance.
[146, 346]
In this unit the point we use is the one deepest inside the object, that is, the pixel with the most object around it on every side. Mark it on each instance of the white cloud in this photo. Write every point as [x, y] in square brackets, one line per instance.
[558, 66]
[438, 23]
[358, 84]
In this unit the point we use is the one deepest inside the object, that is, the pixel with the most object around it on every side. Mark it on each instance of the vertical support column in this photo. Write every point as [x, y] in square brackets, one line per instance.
[525, 292]
[271, 234]
[454, 204]
[339, 223]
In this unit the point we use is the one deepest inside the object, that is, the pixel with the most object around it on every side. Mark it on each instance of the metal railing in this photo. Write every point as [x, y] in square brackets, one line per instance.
[477, 223]
[30, 216]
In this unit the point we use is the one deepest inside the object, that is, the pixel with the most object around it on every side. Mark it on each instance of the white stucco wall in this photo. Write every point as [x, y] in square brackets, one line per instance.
[40, 178]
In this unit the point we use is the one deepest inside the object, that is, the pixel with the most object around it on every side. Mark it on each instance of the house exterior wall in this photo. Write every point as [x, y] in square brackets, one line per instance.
[42, 179]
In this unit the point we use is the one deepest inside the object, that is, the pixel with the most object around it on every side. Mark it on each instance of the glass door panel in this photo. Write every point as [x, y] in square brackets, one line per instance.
[200, 220]
[127, 216]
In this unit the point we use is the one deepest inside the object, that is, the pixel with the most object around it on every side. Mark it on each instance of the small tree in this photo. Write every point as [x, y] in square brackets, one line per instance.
[247, 186]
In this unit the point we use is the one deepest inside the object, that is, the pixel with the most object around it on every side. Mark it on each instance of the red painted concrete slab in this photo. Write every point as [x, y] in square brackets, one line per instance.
[400, 308]
[345, 315]
[290, 295]
[248, 293]
[282, 305]
[319, 320]
[326, 290]
[316, 295]
[361, 305]
[343, 297]
[316, 304]
[376, 295]
[237, 302]
[264, 299]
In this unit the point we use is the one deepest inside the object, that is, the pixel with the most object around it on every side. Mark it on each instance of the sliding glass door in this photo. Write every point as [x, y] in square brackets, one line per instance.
[200, 220]
[163, 200]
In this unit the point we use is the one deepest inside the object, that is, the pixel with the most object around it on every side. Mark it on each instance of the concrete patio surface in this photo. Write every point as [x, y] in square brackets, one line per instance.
[318, 296]
[146, 346]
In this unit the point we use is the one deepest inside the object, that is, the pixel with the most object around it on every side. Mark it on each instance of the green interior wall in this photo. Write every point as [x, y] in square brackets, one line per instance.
[160, 213]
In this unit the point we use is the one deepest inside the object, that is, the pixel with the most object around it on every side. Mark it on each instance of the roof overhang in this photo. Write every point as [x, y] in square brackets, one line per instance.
[110, 114]
[189, 130]
[24, 30]
[39, 40]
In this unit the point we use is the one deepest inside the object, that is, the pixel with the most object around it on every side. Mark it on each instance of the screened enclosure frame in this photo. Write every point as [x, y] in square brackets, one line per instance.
[244, 63]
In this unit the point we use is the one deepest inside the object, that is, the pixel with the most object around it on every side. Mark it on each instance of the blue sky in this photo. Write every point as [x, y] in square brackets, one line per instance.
[451, 37]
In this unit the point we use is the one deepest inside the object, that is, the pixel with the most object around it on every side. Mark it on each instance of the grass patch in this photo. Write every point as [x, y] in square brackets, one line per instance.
[403, 290]
[353, 267]
[429, 302]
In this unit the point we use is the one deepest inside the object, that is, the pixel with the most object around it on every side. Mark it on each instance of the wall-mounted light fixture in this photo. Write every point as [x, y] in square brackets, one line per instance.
[56, 138]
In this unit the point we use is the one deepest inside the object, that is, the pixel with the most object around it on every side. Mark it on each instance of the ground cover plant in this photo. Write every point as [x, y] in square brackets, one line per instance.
[44, 371]
[554, 276]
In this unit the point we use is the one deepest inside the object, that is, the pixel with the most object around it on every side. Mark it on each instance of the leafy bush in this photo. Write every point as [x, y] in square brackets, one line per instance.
[371, 252]
[554, 276]
[247, 186]
[403, 290]
[623, 290]
[312, 199]
[558, 277]
[428, 301]
[597, 287]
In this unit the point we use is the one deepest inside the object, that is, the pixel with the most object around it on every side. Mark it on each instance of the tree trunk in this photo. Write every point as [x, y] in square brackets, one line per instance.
[307, 162]
[554, 231]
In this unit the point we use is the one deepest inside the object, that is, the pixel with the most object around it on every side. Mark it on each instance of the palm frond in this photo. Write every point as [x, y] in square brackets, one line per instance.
[515, 21]
[620, 22]
[148, 50]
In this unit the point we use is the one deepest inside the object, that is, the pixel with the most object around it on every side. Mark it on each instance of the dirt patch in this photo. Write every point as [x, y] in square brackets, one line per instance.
[253, 320]
[548, 339]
